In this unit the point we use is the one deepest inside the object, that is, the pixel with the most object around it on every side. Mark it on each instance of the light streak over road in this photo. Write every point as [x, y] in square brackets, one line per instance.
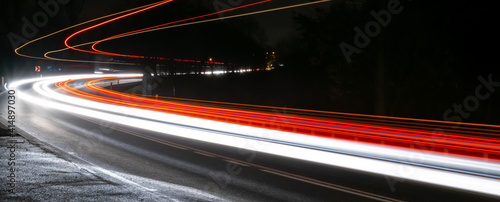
[374, 148]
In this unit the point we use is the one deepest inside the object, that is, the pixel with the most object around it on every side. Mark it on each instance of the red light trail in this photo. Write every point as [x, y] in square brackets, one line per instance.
[459, 159]
[162, 25]
[170, 25]
[472, 146]
[66, 41]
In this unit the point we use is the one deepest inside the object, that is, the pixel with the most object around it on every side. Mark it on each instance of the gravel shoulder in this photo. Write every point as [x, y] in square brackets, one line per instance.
[30, 171]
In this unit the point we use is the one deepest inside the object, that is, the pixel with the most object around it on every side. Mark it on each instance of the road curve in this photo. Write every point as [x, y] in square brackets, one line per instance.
[238, 154]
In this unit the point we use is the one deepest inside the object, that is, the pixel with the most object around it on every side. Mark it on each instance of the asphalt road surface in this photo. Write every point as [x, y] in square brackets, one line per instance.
[167, 167]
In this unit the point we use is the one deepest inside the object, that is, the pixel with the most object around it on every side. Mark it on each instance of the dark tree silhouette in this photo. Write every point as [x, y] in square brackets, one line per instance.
[418, 65]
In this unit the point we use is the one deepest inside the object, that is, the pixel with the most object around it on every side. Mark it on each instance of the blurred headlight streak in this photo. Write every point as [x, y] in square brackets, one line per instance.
[446, 170]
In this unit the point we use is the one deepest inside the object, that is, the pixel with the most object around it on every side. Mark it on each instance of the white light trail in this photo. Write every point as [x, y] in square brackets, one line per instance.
[297, 146]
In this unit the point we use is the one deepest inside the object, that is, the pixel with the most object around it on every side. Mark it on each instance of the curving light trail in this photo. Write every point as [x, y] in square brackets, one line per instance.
[131, 12]
[167, 26]
[66, 41]
[162, 25]
[18, 50]
[355, 145]
[449, 143]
